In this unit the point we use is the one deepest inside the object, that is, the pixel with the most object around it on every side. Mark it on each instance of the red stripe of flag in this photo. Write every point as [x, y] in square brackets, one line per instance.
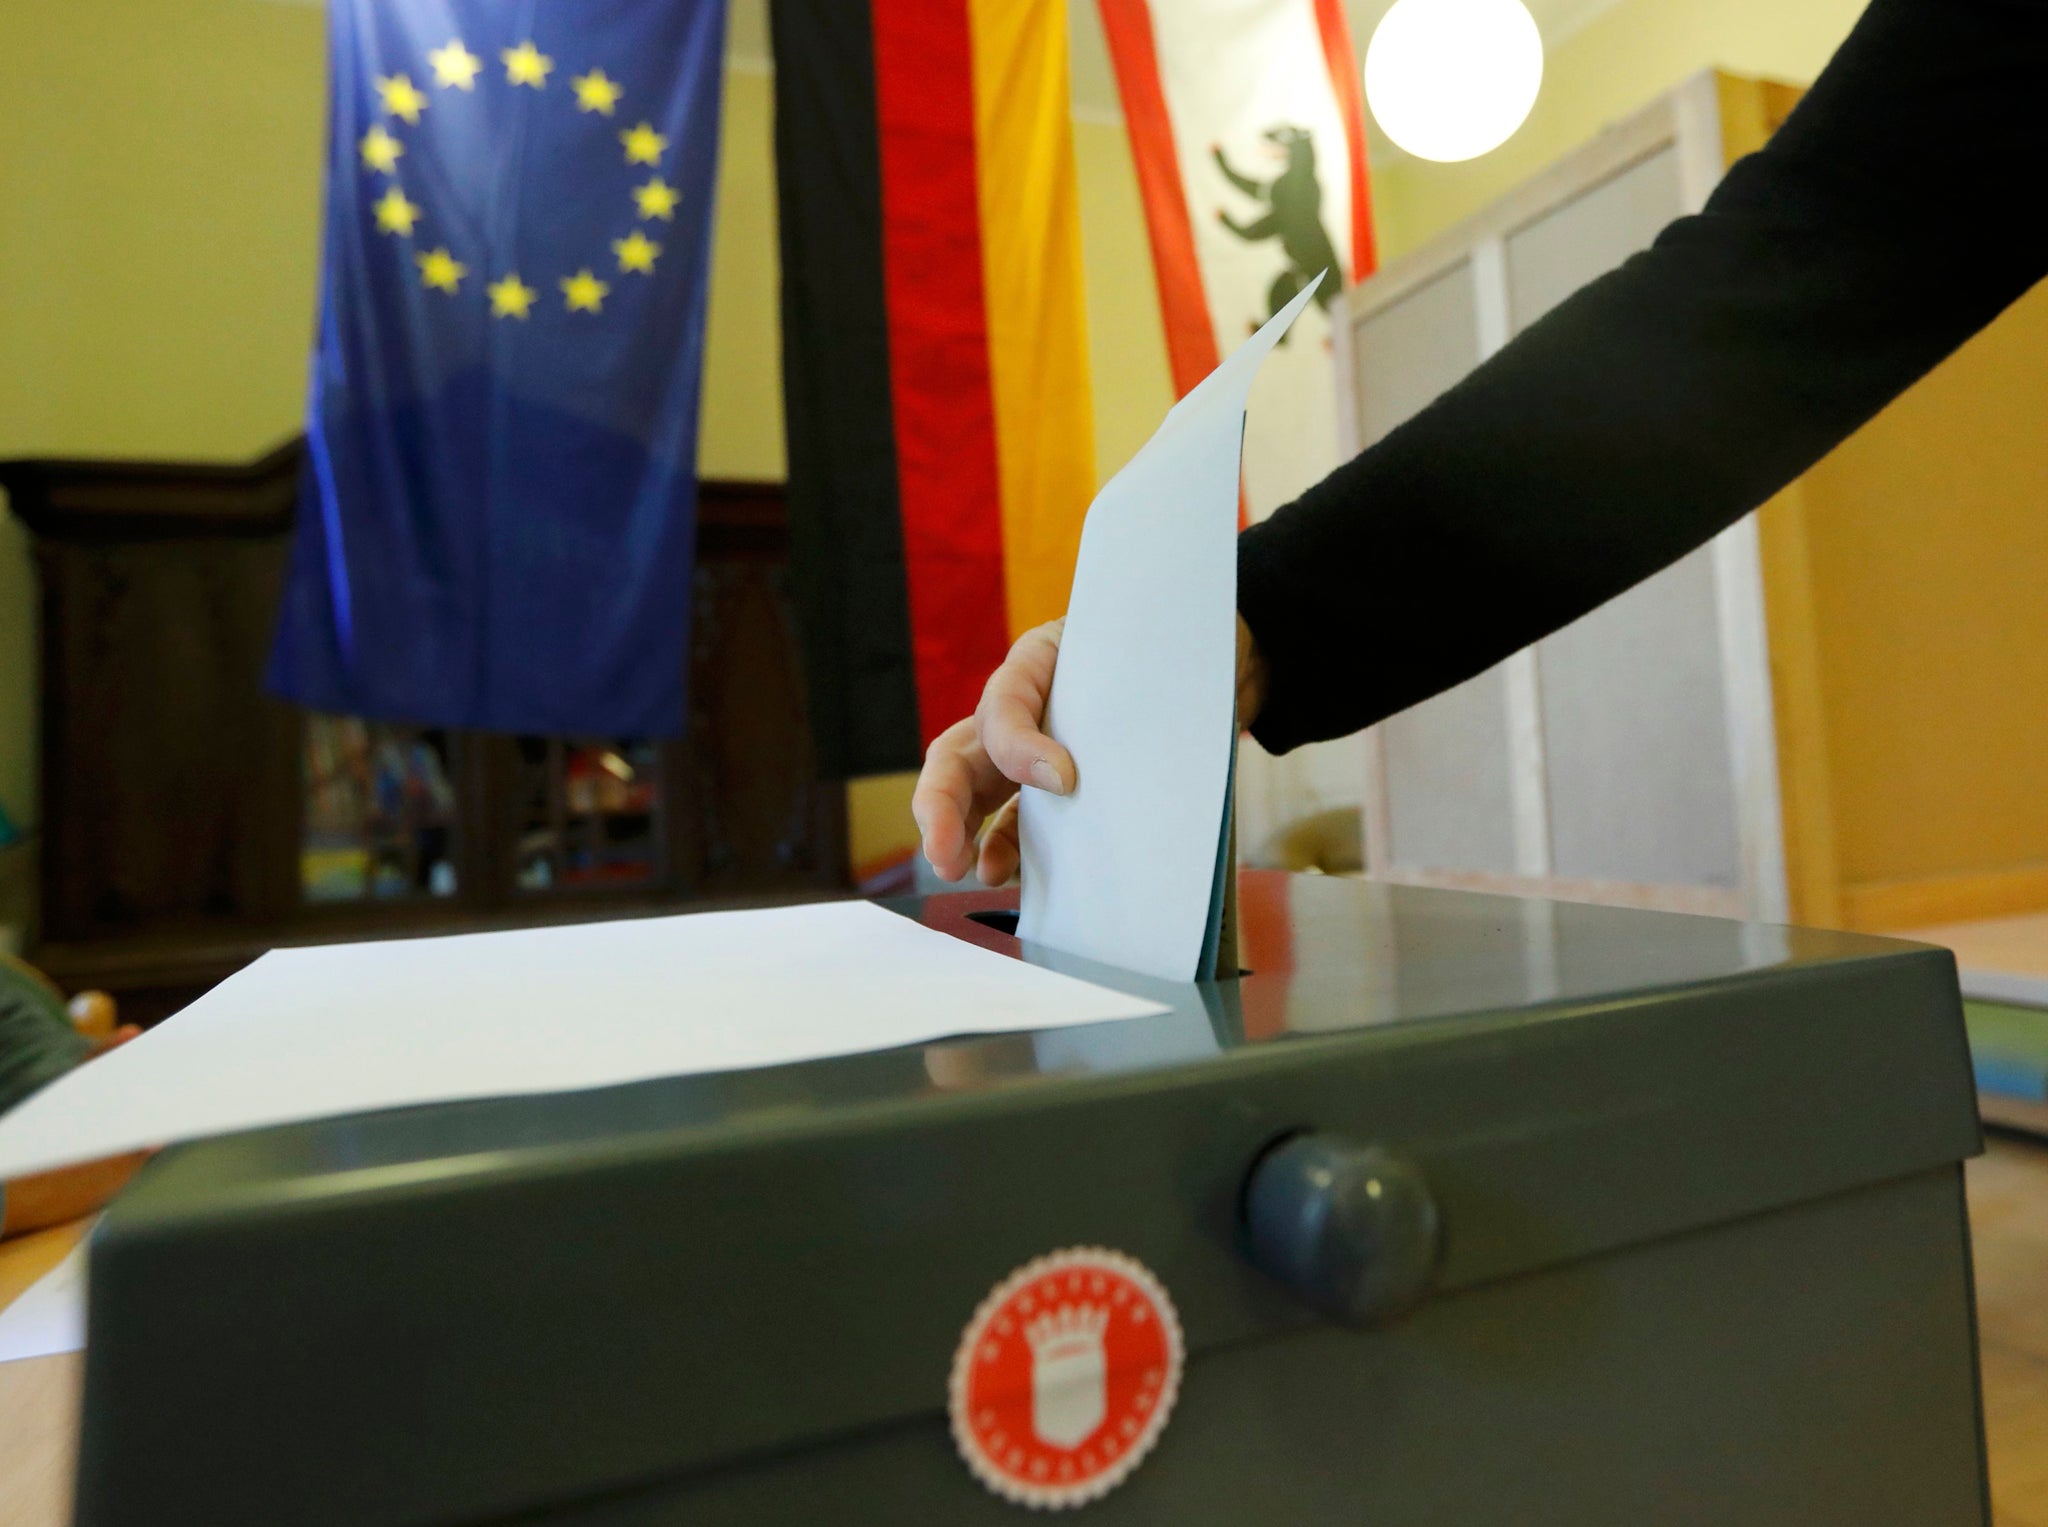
[949, 493]
[1342, 63]
[1190, 336]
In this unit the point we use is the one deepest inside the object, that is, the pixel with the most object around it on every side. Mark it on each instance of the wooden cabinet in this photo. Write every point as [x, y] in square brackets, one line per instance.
[1830, 713]
[190, 820]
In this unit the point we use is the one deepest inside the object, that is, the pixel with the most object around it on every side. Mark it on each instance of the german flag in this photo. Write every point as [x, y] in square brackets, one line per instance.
[934, 350]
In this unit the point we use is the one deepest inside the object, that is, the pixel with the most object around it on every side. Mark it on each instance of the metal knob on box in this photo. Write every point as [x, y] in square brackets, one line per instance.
[1352, 1229]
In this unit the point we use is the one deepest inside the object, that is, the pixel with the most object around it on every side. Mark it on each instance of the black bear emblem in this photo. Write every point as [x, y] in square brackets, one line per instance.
[1294, 215]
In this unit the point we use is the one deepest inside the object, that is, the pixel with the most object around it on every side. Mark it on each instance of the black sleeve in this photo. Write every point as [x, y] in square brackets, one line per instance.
[1893, 215]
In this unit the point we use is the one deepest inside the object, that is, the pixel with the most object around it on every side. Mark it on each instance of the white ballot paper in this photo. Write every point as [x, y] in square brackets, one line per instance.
[1124, 869]
[309, 1033]
[49, 1316]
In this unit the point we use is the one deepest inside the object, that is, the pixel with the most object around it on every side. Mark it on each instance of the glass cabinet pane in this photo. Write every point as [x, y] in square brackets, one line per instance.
[590, 813]
[380, 812]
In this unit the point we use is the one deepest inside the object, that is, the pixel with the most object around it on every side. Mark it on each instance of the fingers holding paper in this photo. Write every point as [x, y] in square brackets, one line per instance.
[1013, 707]
[957, 790]
[974, 767]
[1001, 851]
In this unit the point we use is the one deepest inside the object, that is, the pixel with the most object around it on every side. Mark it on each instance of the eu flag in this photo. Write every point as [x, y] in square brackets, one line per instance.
[498, 511]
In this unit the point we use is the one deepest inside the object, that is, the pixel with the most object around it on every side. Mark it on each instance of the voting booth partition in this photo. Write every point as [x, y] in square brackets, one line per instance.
[1820, 716]
[1451, 1207]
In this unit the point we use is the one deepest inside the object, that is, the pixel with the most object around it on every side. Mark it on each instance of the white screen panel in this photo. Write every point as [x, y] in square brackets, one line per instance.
[1589, 235]
[1412, 349]
[1633, 703]
[1446, 759]
[1448, 801]
[1635, 731]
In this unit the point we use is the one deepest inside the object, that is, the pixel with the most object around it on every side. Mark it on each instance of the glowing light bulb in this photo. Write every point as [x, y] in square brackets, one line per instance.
[1453, 79]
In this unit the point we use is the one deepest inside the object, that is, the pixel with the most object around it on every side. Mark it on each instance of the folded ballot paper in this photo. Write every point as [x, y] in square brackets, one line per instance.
[1134, 867]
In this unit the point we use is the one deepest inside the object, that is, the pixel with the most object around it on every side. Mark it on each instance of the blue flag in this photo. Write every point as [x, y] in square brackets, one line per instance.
[496, 522]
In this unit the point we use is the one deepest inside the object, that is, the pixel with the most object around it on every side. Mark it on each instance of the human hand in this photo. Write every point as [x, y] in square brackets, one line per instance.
[973, 769]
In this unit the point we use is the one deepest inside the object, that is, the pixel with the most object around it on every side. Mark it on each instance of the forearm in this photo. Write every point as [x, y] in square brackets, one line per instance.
[1882, 227]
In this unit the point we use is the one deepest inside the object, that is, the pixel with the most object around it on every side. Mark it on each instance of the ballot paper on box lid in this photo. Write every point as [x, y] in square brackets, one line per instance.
[1133, 868]
[346, 1028]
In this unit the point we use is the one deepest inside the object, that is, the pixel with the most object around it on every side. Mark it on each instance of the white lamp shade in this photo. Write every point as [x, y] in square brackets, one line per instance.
[1453, 79]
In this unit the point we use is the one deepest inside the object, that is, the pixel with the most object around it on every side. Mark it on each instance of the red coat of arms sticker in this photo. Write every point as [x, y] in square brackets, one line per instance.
[1065, 1376]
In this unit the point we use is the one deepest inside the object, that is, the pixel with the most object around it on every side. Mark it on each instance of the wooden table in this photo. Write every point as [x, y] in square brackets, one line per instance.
[38, 1397]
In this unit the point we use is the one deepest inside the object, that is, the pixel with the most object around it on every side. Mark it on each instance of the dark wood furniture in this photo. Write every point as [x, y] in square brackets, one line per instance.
[174, 791]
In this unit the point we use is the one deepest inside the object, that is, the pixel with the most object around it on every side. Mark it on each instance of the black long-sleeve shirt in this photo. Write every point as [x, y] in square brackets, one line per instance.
[1898, 210]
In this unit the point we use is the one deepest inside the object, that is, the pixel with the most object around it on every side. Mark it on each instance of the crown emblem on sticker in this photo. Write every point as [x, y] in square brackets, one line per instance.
[1065, 1377]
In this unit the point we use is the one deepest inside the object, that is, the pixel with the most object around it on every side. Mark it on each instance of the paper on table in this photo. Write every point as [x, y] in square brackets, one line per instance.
[1122, 869]
[49, 1315]
[309, 1033]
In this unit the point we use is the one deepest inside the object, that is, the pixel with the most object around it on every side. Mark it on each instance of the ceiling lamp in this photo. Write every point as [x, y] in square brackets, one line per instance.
[1453, 79]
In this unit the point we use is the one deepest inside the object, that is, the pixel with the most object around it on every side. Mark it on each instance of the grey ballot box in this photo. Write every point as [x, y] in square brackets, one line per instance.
[1676, 1235]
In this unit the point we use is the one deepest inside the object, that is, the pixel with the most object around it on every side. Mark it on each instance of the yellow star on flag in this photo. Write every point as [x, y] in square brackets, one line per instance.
[380, 150]
[585, 292]
[643, 144]
[657, 199]
[596, 93]
[527, 65]
[511, 297]
[395, 214]
[441, 270]
[636, 252]
[402, 98]
[455, 65]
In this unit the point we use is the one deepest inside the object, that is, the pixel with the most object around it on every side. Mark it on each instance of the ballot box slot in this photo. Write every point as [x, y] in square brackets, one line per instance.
[1003, 920]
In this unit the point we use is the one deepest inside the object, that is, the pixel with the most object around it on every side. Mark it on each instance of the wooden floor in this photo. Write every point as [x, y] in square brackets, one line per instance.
[2015, 945]
[2009, 1221]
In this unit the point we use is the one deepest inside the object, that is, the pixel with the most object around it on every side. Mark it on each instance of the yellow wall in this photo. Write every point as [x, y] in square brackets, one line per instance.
[1929, 549]
[158, 196]
[1126, 341]
[742, 421]
[159, 212]
[1623, 58]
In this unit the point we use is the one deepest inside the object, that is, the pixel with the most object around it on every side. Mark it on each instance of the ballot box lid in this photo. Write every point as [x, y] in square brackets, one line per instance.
[462, 1312]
